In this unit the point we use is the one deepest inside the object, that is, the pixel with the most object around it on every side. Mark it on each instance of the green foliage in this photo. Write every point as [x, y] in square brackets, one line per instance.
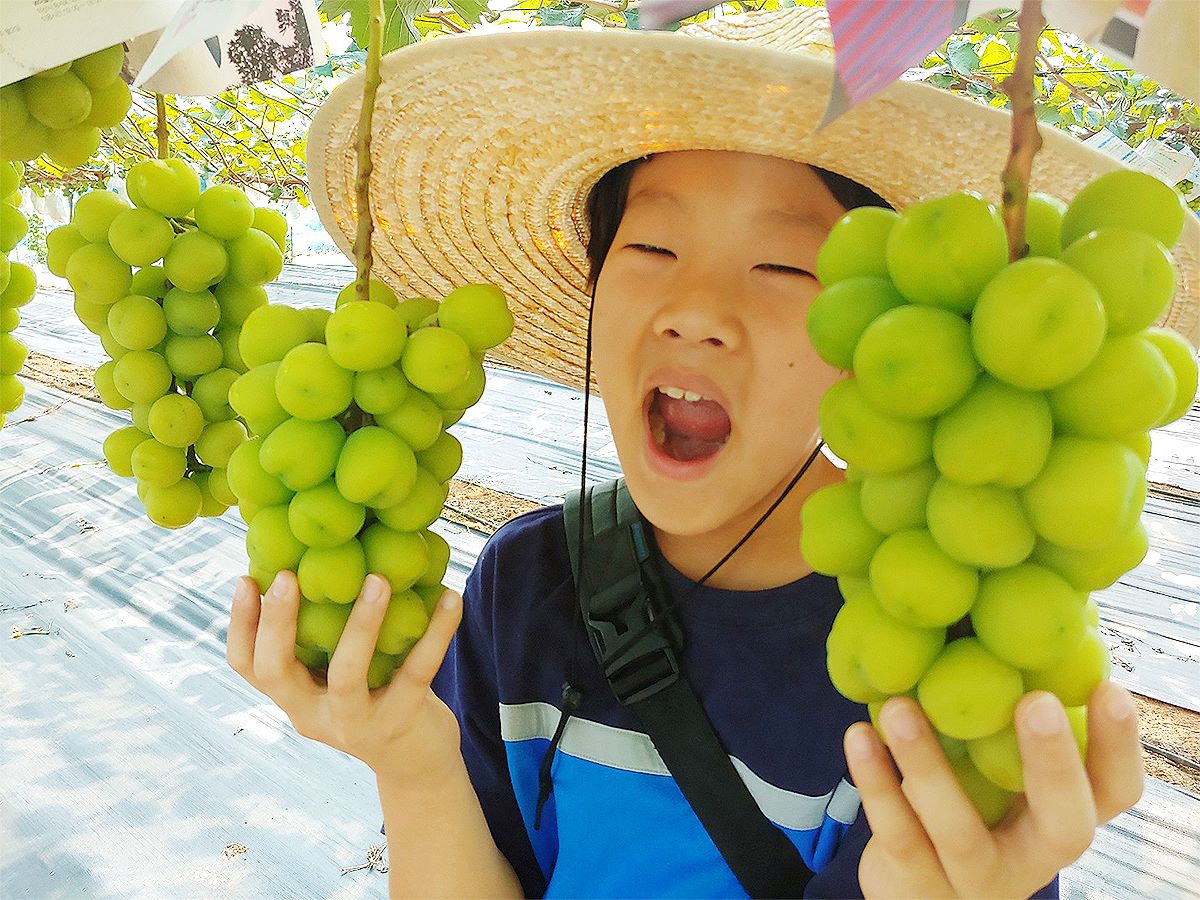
[405, 21]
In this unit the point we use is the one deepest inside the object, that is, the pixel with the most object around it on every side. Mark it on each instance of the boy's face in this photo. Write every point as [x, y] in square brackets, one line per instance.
[706, 289]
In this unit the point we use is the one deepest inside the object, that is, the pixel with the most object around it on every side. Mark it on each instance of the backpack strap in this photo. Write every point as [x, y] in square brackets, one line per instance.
[620, 589]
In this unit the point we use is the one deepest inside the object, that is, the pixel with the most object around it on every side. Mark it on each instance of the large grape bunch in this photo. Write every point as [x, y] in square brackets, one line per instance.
[17, 286]
[995, 426]
[350, 459]
[60, 112]
[166, 283]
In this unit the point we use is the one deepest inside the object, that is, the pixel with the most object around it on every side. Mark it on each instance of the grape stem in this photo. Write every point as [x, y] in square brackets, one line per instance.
[160, 132]
[1026, 139]
[362, 181]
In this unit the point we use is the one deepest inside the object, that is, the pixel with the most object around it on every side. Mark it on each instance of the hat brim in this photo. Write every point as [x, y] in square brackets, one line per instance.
[485, 147]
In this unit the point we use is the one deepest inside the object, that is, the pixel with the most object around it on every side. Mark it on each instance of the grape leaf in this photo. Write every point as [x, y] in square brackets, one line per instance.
[568, 14]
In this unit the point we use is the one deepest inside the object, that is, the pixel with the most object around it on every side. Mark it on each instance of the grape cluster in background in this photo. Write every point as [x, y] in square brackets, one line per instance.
[350, 461]
[995, 429]
[18, 284]
[166, 281]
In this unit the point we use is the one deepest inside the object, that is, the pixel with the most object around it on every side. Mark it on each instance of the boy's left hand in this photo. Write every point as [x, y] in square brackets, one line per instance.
[927, 840]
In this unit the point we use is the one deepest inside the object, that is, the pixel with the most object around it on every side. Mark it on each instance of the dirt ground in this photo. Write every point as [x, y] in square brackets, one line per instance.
[1163, 726]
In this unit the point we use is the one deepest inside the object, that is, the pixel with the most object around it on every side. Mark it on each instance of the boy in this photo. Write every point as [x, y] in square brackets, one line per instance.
[702, 268]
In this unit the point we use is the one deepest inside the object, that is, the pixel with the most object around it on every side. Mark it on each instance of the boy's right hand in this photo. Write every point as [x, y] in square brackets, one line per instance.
[402, 731]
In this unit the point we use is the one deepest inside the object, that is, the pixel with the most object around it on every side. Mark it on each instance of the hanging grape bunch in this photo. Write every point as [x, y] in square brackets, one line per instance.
[17, 285]
[171, 330]
[995, 430]
[350, 461]
[60, 112]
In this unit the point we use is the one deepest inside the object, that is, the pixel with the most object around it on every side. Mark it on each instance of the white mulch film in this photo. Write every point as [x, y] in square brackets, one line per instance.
[135, 764]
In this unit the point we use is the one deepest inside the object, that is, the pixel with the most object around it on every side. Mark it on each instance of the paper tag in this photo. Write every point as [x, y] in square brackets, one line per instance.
[1174, 164]
[195, 22]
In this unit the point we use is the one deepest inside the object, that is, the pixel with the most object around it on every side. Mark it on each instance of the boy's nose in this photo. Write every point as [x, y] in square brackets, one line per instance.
[696, 319]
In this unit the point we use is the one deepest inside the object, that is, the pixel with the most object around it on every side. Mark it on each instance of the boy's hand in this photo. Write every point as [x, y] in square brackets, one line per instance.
[402, 730]
[927, 839]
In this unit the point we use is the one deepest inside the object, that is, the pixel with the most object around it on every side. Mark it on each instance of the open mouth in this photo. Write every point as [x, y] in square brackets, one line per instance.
[686, 426]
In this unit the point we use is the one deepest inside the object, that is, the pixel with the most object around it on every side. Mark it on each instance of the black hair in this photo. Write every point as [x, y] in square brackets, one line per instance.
[606, 205]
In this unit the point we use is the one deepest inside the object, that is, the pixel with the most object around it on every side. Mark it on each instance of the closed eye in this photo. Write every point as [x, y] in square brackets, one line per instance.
[787, 270]
[650, 248]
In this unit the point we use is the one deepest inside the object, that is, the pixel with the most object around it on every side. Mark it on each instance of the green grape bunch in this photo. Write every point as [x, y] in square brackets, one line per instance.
[17, 286]
[61, 111]
[165, 279]
[350, 460]
[995, 424]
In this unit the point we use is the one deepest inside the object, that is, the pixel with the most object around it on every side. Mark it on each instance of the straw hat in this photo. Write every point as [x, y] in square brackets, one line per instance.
[485, 147]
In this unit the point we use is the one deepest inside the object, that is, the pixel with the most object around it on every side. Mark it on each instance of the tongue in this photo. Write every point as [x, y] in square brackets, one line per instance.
[704, 420]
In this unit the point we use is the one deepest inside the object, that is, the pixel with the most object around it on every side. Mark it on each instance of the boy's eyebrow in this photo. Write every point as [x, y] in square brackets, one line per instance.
[785, 216]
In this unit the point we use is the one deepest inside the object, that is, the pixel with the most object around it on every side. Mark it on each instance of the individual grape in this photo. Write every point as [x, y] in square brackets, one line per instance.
[98, 275]
[210, 506]
[841, 313]
[69, 148]
[271, 546]
[835, 538]
[399, 556]
[916, 582]
[174, 505]
[943, 251]
[101, 67]
[137, 323]
[332, 574]
[1043, 225]
[14, 227]
[94, 214]
[149, 281]
[157, 465]
[914, 362]
[1094, 570]
[1132, 272]
[895, 501]
[842, 658]
[191, 313]
[12, 394]
[375, 467]
[190, 357]
[321, 624]
[110, 105]
[218, 486]
[380, 669]
[25, 144]
[1089, 493]
[377, 292]
[417, 421]
[967, 692]
[224, 212]
[250, 482]
[316, 319]
[104, 380]
[990, 801]
[436, 360]
[142, 375]
[403, 624]
[118, 449]
[252, 396]
[997, 434]
[228, 338]
[195, 261]
[211, 392]
[254, 258]
[303, 454]
[310, 385]
[415, 310]
[139, 413]
[14, 116]
[110, 344]
[140, 237]
[443, 459]
[439, 559]
[466, 394]
[12, 354]
[1075, 674]
[479, 314]
[430, 595]
[58, 102]
[419, 509]
[269, 332]
[1126, 199]
[272, 223]
[217, 441]
[379, 391]
[1028, 616]
[1128, 387]
[1181, 358]
[22, 285]
[1037, 324]
[238, 300]
[364, 336]
[167, 186]
[61, 242]
[176, 420]
[322, 517]
[856, 246]
[9, 319]
[893, 655]
[94, 316]
[979, 525]
[867, 438]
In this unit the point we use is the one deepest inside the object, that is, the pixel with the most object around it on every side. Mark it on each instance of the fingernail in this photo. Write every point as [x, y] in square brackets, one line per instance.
[449, 600]
[375, 591]
[277, 588]
[1045, 716]
[1120, 705]
[900, 722]
[858, 745]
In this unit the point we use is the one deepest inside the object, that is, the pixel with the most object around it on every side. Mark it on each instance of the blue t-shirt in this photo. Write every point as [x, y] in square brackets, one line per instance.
[616, 823]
